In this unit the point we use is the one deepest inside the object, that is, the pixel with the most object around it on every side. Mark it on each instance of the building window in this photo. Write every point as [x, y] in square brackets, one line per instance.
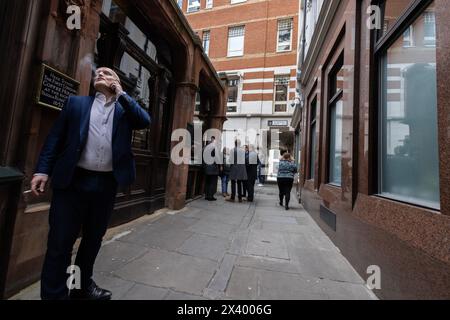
[430, 28]
[209, 4]
[281, 93]
[180, 4]
[284, 37]
[408, 40]
[237, 1]
[408, 158]
[233, 90]
[335, 106]
[193, 5]
[313, 140]
[206, 40]
[236, 37]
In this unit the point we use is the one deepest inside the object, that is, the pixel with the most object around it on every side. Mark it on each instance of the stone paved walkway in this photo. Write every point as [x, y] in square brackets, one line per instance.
[222, 250]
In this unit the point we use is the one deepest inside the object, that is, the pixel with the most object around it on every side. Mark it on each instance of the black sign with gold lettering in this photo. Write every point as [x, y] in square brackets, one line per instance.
[55, 87]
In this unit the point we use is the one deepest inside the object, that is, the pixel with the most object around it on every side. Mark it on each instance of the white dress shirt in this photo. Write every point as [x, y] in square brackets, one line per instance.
[97, 153]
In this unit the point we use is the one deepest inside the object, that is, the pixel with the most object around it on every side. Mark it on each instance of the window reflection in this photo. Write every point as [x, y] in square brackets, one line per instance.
[141, 84]
[113, 11]
[409, 145]
[393, 9]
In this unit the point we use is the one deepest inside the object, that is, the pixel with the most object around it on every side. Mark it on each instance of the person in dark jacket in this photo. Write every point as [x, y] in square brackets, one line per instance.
[225, 172]
[88, 155]
[286, 171]
[211, 171]
[238, 172]
[251, 164]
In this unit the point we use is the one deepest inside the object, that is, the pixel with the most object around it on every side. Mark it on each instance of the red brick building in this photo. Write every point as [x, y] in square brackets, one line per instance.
[254, 42]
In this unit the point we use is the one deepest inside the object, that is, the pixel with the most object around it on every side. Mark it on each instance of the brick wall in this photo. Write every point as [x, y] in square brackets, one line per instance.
[260, 61]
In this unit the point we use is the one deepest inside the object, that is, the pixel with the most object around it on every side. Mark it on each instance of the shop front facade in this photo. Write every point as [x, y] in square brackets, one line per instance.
[374, 138]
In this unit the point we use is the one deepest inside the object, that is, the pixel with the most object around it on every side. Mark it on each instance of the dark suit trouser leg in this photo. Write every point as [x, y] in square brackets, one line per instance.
[233, 189]
[207, 186]
[251, 188]
[86, 204]
[94, 228]
[240, 186]
[244, 188]
[65, 219]
[210, 186]
[213, 186]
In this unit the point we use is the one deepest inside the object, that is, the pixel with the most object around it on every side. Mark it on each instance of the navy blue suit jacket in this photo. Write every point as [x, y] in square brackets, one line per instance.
[66, 140]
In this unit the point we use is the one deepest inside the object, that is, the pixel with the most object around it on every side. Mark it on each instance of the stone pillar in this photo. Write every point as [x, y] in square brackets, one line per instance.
[177, 174]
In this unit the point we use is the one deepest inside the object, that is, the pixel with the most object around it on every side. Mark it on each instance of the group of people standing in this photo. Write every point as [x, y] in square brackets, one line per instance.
[242, 166]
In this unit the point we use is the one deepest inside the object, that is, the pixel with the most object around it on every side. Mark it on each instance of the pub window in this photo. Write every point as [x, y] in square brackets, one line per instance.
[313, 139]
[233, 92]
[336, 89]
[116, 15]
[408, 162]
[141, 79]
[137, 67]
[284, 37]
[281, 93]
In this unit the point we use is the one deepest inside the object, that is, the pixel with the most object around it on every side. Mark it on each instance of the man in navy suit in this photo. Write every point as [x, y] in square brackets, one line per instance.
[88, 155]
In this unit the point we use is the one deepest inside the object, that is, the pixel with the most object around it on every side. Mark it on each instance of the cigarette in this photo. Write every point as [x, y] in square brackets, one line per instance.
[30, 191]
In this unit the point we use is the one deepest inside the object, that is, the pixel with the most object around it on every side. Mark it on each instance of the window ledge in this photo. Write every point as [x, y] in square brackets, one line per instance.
[283, 51]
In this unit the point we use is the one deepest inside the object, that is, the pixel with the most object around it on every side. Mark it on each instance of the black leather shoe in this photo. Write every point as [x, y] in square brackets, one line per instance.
[93, 292]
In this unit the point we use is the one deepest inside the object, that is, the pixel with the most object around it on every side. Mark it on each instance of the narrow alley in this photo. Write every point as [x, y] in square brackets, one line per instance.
[222, 250]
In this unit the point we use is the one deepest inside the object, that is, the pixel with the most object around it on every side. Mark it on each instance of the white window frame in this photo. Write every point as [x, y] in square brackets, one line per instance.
[193, 6]
[238, 52]
[430, 41]
[278, 35]
[206, 37]
[237, 1]
[209, 4]
[411, 38]
[275, 102]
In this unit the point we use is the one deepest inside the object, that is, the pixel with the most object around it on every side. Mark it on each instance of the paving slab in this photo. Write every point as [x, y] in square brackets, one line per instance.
[166, 269]
[204, 246]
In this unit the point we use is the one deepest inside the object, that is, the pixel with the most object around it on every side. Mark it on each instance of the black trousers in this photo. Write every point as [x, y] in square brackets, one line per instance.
[210, 186]
[86, 206]
[240, 184]
[285, 187]
[250, 186]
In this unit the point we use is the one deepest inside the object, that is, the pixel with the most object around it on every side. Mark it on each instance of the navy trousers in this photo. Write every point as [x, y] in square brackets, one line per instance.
[86, 207]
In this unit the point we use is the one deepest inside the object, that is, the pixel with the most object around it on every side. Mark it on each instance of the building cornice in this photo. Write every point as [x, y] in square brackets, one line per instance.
[326, 16]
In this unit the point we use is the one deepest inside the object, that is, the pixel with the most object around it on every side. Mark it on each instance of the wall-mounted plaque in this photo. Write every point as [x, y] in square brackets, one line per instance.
[55, 87]
[278, 123]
